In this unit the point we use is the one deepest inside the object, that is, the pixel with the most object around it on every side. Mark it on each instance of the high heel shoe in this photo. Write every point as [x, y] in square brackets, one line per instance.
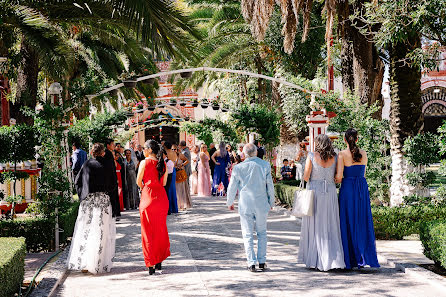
[151, 270]
[158, 266]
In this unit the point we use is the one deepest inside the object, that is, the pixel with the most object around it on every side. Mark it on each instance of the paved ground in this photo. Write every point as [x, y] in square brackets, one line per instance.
[208, 260]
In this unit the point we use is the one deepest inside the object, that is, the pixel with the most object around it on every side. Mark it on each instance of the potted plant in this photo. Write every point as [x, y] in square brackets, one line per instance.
[204, 103]
[215, 104]
[128, 79]
[173, 102]
[186, 74]
[194, 102]
[126, 128]
[139, 105]
[182, 103]
[225, 108]
[151, 104]
[113, 92]
[186, 119]
[149, 81]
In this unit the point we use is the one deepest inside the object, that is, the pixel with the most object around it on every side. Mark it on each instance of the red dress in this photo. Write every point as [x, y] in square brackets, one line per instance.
[121, 197]
[153, 211]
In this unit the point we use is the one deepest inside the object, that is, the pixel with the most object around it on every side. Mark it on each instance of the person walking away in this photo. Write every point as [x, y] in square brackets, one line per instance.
[172, 192]
[320, 243]
[357, 231]
[240, 151]
[78, 158]
[195, 158]
[253, 182]
[212, 150]
[260, 149]
[130, 173]
[301, 159]
[221, 160]
[204, 173]
[152, 176]
[181, 184]
[110, 177]
[93, 243]
[186, 152]
[119, 177]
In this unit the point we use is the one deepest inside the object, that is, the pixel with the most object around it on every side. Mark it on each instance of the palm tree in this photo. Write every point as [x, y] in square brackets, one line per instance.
[44, 30]
[366, 78]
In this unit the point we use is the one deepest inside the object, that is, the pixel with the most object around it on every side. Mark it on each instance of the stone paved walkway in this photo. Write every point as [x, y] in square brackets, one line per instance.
[208, 260]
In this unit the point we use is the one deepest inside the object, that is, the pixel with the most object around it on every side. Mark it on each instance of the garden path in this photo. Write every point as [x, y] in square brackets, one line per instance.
[208, 260]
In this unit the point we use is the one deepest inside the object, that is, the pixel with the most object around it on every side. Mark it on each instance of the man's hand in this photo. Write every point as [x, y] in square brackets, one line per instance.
[231, 207]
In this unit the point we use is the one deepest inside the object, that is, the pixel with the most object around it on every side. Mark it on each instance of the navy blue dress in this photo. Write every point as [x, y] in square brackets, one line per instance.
[172, 194]
[220, 174]
[358, 234]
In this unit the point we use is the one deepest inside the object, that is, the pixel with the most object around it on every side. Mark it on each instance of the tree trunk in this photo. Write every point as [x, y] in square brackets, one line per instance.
[362, 69]
[345, 30]
[27, 87]
[406, 117]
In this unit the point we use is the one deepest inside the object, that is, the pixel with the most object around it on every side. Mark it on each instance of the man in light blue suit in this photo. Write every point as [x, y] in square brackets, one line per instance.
[252, 179]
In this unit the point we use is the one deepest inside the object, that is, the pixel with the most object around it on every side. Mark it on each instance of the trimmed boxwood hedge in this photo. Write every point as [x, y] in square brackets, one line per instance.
[39, 231]
[285, 193]
[12, 265]
[433, 237]
[397, 222]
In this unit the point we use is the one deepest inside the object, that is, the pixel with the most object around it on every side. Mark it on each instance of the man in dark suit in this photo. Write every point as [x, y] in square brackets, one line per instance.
[260, 149]
[212, 150]
[111, 180]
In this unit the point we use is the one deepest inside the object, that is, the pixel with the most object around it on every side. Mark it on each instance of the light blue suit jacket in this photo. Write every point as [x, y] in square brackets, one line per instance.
[252, 179]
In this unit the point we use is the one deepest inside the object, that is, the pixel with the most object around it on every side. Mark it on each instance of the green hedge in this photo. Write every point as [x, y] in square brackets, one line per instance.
[285, 193]
[397, 222]
[39, 231]
[12, 265]
[433, 237]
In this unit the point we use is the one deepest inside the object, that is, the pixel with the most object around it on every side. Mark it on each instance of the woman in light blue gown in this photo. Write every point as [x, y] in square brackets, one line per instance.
[320, 244]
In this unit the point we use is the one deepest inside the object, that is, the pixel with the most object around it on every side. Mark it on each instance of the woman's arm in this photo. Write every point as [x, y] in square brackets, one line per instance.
[339, 168]
[141, 173]
[308, 168]
[165, 178]
[185, 160]
[214, 156]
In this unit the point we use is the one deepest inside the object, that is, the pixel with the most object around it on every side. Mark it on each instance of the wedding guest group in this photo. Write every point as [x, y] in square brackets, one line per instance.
[339, 234]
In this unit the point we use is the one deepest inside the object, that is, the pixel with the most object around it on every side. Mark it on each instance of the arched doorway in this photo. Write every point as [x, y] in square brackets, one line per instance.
[163, 133]
[434, 108]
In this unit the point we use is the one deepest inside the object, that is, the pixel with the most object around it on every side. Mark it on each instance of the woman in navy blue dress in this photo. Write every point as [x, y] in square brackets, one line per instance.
[221, 159]
[358, 234]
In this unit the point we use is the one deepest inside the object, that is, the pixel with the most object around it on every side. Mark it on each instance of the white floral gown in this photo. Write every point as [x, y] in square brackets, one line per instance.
[93, 244]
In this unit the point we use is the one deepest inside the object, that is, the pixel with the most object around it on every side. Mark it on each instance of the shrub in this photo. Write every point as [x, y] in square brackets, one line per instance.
[12, 265]
[285, 193]
[39, 230]
[397, 222]
[433, 237]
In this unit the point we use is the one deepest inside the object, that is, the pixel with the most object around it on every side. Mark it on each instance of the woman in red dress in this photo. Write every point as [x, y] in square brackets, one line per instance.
[152, 176]
[119, 176]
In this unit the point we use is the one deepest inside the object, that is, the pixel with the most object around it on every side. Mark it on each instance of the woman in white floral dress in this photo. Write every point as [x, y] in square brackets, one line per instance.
[93, 245]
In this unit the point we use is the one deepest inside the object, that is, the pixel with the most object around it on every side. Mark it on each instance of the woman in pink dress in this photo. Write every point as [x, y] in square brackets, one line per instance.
[194, 177]
[204, 173]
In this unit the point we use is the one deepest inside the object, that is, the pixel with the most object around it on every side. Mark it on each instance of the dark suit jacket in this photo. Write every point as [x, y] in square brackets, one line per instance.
[211, 152]
[90, 179]
[111, 180]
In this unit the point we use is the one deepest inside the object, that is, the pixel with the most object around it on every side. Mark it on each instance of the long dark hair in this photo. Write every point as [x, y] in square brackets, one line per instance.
[324, 146]
[155, 147]
[351, 135]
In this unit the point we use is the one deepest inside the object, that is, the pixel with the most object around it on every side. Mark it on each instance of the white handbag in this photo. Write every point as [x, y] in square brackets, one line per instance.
[303, 202]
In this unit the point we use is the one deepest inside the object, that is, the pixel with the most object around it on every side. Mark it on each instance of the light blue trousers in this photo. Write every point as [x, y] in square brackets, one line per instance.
[248, 222]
